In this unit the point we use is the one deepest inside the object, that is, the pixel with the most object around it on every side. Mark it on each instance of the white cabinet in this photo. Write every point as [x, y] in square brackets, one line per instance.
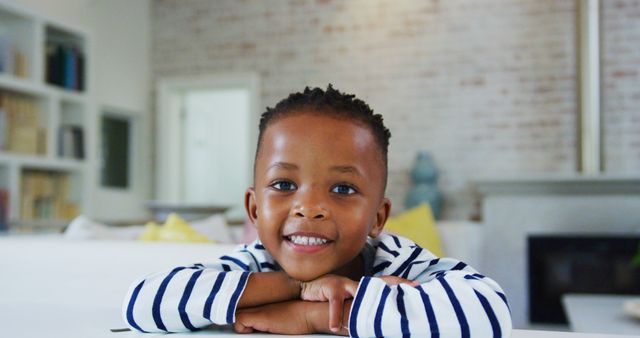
[44, 118]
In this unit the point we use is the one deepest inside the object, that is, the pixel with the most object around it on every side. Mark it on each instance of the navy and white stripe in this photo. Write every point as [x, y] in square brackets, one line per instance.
[192, 297]
[452, 300]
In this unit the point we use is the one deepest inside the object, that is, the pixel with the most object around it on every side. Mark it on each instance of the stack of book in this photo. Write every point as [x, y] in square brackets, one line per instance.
[45, 195]
[20, 130]
[12, 60]
[65, 65]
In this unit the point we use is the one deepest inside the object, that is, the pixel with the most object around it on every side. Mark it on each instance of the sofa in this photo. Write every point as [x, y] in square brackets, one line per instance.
[53, 286]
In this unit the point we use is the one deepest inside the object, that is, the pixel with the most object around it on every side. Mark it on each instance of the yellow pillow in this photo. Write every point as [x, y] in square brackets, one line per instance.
[175, 229]
[418, 225]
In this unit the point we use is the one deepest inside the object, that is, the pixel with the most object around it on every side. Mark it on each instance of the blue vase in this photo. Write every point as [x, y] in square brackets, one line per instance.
[424, 189]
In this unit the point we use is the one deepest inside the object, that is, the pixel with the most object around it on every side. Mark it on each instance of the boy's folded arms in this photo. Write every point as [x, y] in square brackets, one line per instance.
[318, 203]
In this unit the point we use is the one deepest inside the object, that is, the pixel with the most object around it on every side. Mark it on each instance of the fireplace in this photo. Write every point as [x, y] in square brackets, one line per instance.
[593, 264]
[515, 209]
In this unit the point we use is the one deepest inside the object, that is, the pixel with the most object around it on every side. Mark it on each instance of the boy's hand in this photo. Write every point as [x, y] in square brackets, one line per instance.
[292, 317]
[333, 289]
[310, 315]
[284, 318]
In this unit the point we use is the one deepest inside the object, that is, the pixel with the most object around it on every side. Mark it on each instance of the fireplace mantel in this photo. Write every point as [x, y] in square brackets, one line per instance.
[556, 184]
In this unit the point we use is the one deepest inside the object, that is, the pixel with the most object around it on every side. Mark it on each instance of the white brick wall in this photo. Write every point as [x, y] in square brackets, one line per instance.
[489, 87]
[621, 85]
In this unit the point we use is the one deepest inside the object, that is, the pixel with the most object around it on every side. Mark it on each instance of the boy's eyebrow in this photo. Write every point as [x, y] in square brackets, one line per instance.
[339, 168]
[283, 165]
[346, 169]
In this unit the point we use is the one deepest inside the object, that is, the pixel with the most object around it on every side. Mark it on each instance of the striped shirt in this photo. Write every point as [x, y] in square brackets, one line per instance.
[452, 300]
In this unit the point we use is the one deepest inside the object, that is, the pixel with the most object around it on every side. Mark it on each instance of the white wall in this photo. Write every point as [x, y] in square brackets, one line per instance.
[119, 79]
[488, 87]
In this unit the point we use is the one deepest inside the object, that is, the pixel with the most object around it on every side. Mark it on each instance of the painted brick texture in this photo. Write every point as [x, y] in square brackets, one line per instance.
[621, 85]
[488, 87]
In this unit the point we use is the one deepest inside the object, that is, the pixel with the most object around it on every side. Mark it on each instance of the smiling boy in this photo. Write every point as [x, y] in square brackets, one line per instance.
[321, 263]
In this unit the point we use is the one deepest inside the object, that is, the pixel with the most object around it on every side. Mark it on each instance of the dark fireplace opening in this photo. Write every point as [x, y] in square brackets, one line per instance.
[592, 264]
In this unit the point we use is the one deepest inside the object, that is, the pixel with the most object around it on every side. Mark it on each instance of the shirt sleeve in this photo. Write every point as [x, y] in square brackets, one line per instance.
[188, 298]
[452, 300]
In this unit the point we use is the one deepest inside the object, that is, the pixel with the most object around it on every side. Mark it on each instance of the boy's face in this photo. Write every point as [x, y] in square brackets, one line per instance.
[318, 193]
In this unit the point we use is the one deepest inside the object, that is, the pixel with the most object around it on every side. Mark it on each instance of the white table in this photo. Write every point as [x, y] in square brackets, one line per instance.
[74, 289]
[30, 319]
[600, 314]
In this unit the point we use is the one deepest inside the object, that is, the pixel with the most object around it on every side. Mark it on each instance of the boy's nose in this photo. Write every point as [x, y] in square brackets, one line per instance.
[310, 207]
[311, 212]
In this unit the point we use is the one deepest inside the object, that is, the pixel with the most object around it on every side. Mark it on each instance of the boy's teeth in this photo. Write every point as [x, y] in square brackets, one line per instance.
[304, 240]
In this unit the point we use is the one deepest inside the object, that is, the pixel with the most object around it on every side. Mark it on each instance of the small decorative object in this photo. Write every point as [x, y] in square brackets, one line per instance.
[635, 261]
[424, 177]
[632, 307]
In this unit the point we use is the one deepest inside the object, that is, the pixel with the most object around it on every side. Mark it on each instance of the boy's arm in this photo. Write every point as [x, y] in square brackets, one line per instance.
[268, 287]
[292, 317]
[318, 312]
[183, 299]
[189, 298]
[452, 298]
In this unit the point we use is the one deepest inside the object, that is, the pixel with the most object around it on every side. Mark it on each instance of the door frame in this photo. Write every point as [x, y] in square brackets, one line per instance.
[168, 131]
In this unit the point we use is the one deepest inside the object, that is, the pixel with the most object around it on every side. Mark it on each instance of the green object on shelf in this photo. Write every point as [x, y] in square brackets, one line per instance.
[635, 261]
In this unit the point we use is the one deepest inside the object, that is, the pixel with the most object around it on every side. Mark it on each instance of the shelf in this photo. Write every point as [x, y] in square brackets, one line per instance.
[41, 162]
[38, 225]
[28, 87]
[46, 112]
[21, 85]
[68, 94]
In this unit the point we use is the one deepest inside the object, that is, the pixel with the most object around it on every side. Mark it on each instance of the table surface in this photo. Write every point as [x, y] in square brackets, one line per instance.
[31, 319]
[600, 314]
[67, 289]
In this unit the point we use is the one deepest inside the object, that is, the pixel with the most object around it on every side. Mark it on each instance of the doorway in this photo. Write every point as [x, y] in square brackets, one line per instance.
[205, 139]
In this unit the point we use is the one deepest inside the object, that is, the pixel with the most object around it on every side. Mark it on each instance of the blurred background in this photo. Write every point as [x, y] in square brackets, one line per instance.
[517, 121]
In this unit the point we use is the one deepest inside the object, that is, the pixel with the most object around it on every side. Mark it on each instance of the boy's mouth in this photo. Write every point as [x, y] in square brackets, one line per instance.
[308, 240]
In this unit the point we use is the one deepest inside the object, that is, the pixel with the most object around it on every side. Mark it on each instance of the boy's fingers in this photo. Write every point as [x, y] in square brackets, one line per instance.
[335, 313]
[351, 288]
[238, 327]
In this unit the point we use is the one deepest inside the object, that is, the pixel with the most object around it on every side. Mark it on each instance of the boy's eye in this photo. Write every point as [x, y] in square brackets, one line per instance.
[343, 189]
[284, 185]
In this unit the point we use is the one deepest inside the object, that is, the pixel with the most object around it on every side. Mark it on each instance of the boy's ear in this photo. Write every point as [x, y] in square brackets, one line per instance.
[250, 205]
[381, 217]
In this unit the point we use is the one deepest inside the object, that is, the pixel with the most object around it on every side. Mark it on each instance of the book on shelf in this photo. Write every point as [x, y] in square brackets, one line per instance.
[65, 66]
[20, 130]
[71, 142]
[4, 129]
[45, 195]
[5, 55]
[12, 60]
[19, 64]
[4, 209]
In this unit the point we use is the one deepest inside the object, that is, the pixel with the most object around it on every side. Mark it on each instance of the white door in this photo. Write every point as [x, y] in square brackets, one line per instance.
[215, 142]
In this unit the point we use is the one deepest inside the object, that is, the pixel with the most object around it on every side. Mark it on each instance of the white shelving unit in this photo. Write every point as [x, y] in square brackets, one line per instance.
[57, 107]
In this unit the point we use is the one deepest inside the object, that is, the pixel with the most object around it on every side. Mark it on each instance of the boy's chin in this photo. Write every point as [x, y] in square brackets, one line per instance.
[303, 276]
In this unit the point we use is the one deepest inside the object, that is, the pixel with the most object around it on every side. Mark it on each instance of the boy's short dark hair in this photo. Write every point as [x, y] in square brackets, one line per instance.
[329, 102]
